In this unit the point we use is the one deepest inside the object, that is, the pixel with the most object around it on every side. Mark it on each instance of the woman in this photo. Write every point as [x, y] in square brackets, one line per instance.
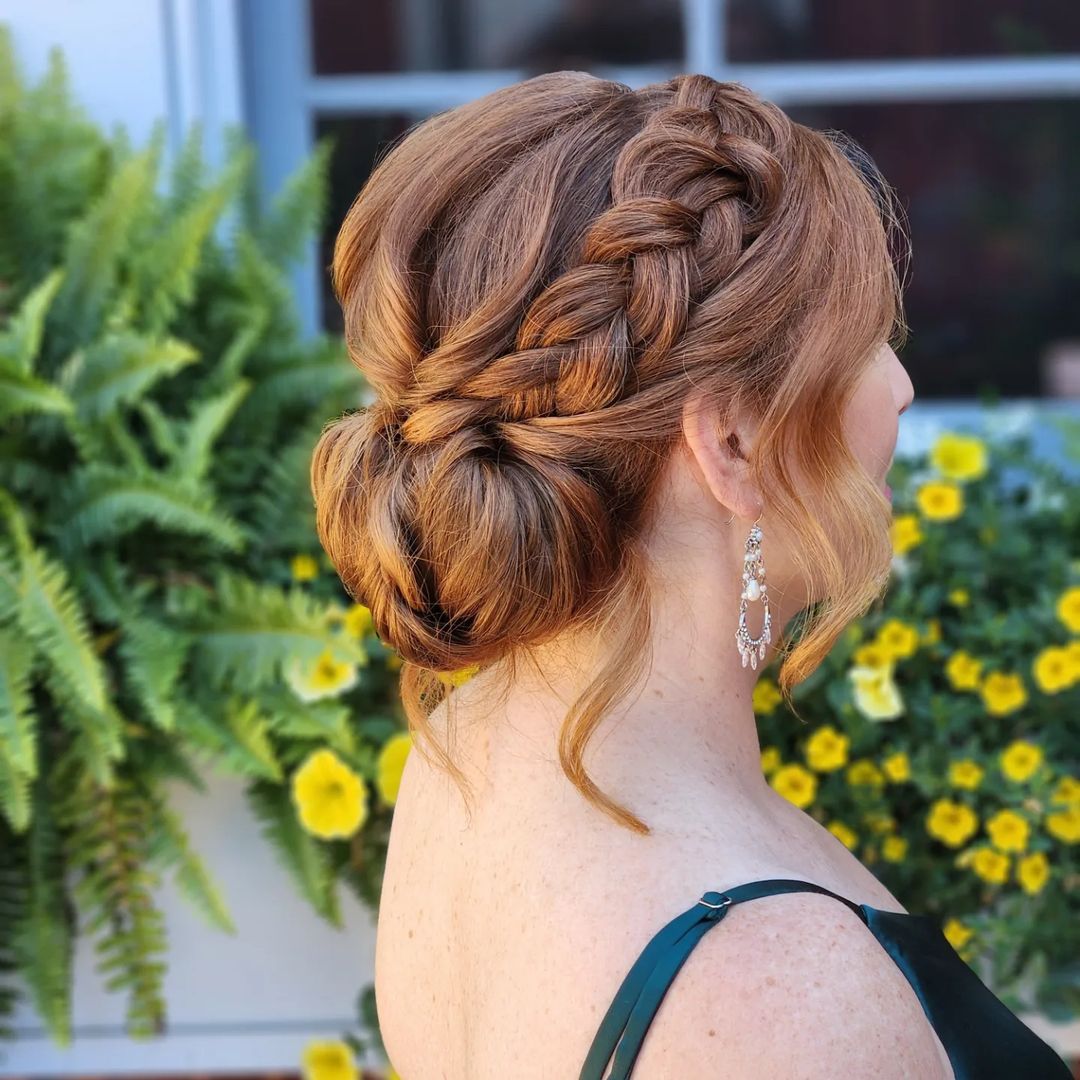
[635, 404]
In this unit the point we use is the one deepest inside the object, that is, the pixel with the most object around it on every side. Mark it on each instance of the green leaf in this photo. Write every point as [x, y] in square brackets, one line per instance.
[170, 848]
[106, 502]
[18, 729]
[21, 337]
[120, 369]
[97, 244]
[302, 855]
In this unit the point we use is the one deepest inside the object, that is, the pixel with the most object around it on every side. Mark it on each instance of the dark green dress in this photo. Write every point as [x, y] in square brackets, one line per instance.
[983, 1038]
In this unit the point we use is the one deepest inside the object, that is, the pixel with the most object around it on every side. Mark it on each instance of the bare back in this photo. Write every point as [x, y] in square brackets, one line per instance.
[502, 940]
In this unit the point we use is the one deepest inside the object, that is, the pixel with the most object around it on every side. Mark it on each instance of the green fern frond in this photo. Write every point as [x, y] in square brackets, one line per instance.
[313, 381]
[253, 629]
[18, 730]
[233, 734]
[306, 860]
[298, 209]
[107, 844]
[95, 250]
[120, 369]
[44, 934]
[20, 339]
[13, 891]
[207, 421]
[51, 615]
[14, 794]
[169, 847]
[282, 511]
[324, 722]
[106, 502]
[25, 394]
[154, 656]
[166, 270]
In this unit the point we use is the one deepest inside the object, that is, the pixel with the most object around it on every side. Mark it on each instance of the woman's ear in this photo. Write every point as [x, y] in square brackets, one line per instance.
[721, 453]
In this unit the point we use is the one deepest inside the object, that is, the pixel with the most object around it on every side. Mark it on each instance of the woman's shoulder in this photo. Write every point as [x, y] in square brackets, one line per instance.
[786, 985]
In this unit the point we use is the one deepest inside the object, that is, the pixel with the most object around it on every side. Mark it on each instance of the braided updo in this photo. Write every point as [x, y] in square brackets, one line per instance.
[532, 285]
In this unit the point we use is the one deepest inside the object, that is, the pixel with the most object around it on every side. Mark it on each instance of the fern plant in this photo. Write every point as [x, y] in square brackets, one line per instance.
[157, 413]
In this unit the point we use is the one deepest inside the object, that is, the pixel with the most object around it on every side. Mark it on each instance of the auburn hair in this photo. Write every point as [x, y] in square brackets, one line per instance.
[532, 284]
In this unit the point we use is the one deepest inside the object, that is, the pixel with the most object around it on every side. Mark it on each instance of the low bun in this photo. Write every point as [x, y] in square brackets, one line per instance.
[462, 544]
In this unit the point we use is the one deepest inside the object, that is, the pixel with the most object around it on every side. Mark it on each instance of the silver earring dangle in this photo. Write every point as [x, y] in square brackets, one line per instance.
[754, 588]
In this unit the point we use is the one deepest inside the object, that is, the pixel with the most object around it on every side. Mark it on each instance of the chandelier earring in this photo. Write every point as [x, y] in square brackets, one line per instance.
[753, 588]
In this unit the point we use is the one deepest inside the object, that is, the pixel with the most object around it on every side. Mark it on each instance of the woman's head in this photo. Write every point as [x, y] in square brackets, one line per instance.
[558, 294]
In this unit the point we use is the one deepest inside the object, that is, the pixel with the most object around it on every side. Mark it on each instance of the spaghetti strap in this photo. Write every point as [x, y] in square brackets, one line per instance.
[623, 1029]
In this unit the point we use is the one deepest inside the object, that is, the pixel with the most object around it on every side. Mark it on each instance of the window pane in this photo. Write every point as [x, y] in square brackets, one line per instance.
[760, 30]
[349, 36]
[990, 192]
[359, 140]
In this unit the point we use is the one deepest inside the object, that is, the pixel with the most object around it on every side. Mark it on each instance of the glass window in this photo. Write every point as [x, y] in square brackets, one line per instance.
[350, 37]
[989, 189]
[762, 30]
[359, 141]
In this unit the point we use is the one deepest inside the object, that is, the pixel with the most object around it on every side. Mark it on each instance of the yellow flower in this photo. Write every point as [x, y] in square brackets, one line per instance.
[1008, 831]
[1003, 693]
[1072, 649]
[966, 774]
[871, 655]
[459, 677]
[991, 865]
[894, 848]
[897, 767]
[876, 695]
[796, 784]
[392, 1073]
[940, 501]
[770, 760]
[1068, 608]
[391, 764]
[898, 638]
[879, 823]
[766, 696]
[303, 568]
[905, 533]
[957, 933]
[1053, 669]
[827, 749]
[963, 670]
[843, 833]
[959, 597]
[865, 772]
[326, 677]
[329, 1060]
[1067, 791]
[331, 798]
[933, 632]
[959, 457]
[951, 822]
[357, 621]
[1065, 824]
[1020, 759]
[1032, 871]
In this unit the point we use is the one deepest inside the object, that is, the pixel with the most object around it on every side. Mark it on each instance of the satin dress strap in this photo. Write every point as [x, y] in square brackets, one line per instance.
[623, 1029]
